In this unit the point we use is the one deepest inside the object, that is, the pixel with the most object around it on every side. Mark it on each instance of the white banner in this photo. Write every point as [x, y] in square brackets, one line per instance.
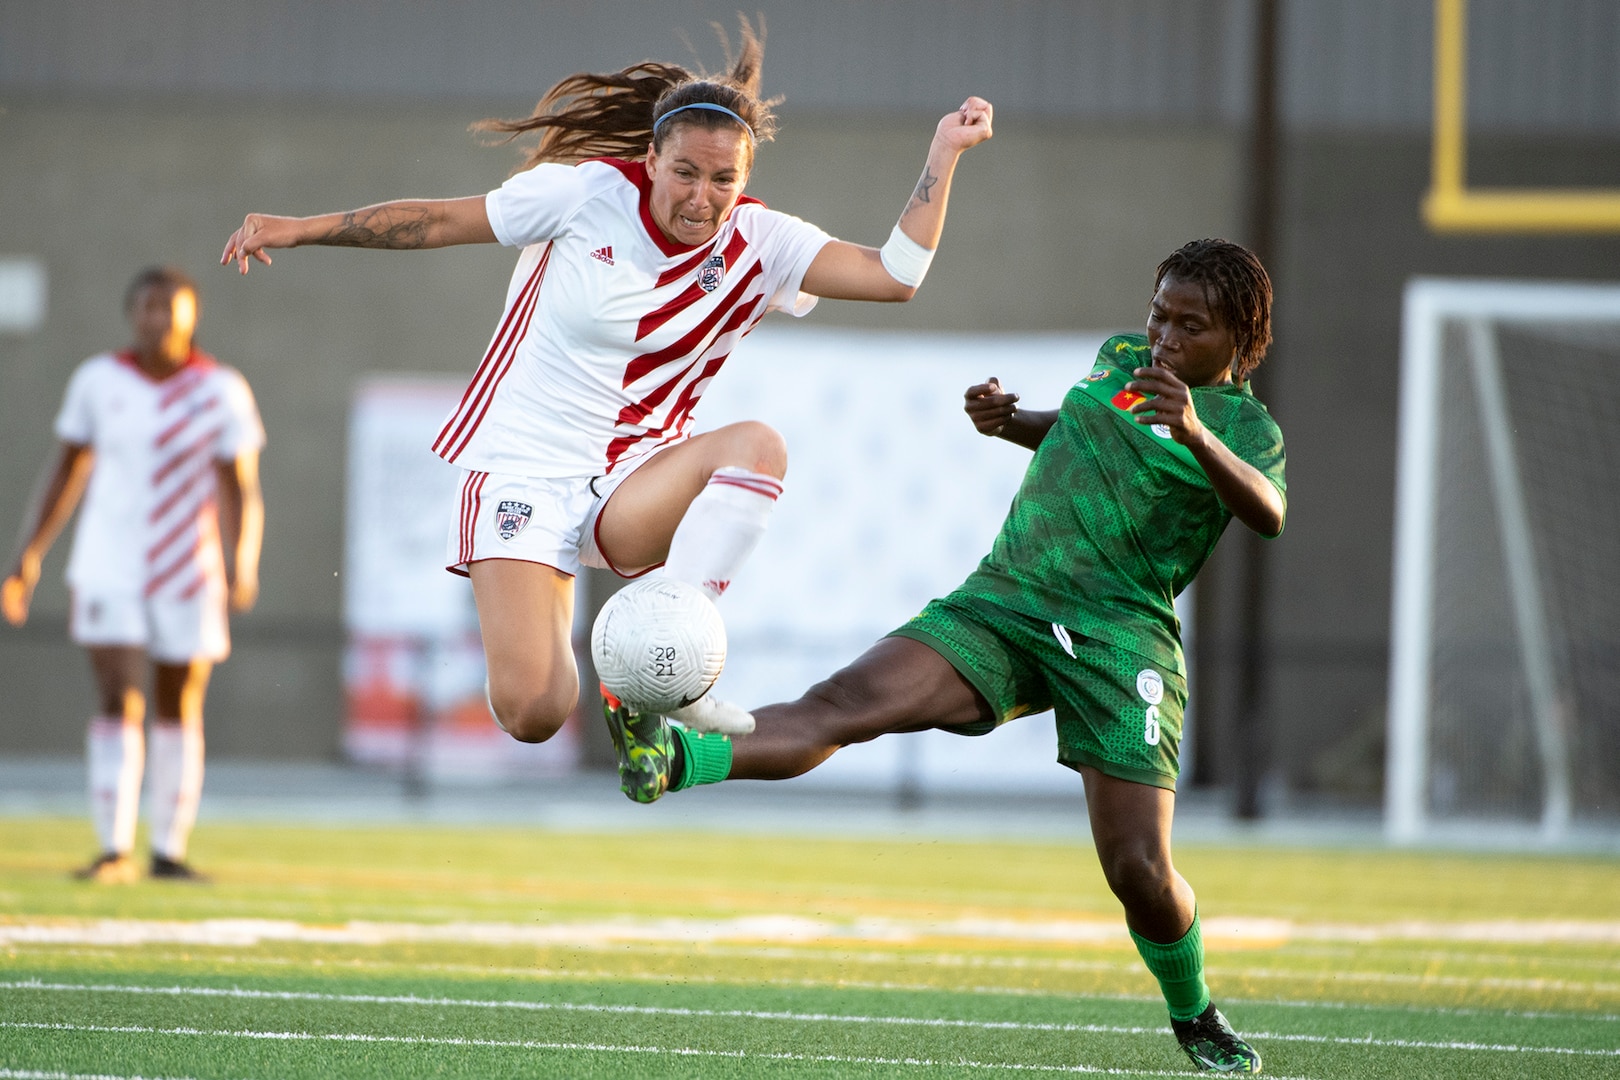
[414, 666]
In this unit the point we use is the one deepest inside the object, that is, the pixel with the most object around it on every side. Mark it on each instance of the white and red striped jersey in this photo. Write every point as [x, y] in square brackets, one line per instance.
[611, 332]
[148, 524]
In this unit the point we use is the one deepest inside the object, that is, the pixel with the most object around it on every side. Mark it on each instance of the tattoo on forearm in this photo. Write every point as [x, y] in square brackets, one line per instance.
[925, 185]
[381, 227]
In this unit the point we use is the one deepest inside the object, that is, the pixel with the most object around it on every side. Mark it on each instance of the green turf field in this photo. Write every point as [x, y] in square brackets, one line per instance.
[404, 952]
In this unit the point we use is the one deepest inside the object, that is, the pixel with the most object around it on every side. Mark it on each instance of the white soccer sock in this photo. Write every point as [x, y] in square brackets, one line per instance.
[176, 787]
[116, 755]
[721, 528]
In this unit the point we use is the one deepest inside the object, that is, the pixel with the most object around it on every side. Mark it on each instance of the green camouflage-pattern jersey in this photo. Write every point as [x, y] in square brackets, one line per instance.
[1112, 521]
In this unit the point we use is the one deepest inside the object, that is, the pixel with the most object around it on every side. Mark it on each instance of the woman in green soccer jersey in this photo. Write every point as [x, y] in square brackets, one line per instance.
[1134, 478]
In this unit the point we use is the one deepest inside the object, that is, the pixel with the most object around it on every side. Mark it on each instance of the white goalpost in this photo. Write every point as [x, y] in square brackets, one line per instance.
[1504, 694]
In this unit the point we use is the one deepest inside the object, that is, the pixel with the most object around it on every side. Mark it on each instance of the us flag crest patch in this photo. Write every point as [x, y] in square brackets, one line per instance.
[510, 517]
[712, 274]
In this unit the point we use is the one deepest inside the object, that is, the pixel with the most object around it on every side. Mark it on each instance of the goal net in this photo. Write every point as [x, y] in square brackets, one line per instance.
[1504, 704]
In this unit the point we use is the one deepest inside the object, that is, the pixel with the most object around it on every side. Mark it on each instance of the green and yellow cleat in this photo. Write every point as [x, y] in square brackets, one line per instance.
[1212, 1044]
[645, 749]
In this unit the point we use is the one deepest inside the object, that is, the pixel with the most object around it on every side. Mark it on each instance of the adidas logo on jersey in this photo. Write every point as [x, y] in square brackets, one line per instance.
[605, 254]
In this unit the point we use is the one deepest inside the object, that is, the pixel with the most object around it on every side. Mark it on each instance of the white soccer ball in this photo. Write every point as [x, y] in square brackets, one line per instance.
[658, 644]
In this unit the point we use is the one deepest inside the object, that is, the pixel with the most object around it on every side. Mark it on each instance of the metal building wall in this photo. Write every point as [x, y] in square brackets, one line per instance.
[137, 130]
[1348, 65]
[1043, 57]
[1543, 66]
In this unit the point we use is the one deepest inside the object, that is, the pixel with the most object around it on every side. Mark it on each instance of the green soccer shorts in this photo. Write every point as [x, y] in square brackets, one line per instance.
[1117, 711]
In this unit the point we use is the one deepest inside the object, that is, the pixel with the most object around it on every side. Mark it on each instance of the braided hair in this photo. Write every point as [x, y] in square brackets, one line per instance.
[616, 114]
[1237, 290]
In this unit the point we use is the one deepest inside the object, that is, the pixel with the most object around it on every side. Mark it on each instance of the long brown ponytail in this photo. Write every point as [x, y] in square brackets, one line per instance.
[613, 115]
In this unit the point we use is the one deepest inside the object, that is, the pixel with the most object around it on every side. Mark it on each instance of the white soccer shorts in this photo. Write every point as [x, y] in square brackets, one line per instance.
[171, 630]
[550, 521]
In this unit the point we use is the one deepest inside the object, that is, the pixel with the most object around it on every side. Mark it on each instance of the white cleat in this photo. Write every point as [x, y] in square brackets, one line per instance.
[709, 714]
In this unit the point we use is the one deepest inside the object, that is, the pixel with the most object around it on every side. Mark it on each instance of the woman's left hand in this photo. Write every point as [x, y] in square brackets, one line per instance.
[966, 127]
[1168, 402]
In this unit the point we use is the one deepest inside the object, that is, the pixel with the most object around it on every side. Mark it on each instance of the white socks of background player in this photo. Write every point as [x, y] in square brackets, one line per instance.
[175, 779]
[721, 528]
[116, 753]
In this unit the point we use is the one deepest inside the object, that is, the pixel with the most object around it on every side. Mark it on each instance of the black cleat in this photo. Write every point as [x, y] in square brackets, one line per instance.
[166, 869]
[1212, 1044]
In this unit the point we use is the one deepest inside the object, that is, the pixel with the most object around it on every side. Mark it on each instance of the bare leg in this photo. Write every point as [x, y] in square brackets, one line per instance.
[896, 685]
[120, 672]
[178, 691]
[641, 517]
[1130, 824]
[526, 614]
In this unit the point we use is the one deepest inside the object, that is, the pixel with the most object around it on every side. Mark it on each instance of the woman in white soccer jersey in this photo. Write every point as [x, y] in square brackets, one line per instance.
[642, 266]
[162, 441]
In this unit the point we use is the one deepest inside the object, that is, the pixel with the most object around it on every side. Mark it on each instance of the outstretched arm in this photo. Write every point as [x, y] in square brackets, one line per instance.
[60, 486]
[844, 271]
[1241, 487]
[241, 526]
[401, 224]
[995, 412]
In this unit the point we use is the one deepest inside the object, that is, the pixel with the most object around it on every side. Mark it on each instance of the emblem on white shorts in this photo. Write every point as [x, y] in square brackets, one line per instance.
[1150, 685]
[510, 517]
[712, 274]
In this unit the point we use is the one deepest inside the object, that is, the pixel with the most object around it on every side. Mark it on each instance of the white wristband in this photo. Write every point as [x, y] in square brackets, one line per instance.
[905, 259]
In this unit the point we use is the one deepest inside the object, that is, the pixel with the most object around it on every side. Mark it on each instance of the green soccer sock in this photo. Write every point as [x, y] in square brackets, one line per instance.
[705, 758]
[1179, 967]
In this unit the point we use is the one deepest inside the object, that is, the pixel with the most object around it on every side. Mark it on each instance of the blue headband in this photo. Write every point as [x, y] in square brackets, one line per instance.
[709, 106]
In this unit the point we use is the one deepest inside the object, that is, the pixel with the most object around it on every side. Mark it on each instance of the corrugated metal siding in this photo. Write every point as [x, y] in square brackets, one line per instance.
[1125, 59]
[1533, 65]
[1357, 64]
[1550, 65]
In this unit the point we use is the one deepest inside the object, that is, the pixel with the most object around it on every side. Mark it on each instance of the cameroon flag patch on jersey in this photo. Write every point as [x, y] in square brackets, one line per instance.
[1108, 385]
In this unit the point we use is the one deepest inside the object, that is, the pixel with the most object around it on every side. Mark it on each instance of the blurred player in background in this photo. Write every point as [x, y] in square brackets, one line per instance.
[162, 441]
[642, 266]
[1133, 481]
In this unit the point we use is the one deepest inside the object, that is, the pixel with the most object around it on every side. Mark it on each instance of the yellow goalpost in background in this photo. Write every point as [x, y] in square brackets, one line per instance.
[1450, 205]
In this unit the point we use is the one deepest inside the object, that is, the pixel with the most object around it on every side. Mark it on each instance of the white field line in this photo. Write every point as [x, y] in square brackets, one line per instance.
[238, 993]
[843, 982]
[535, 1044]
[787, 932]
[787, 929]
[1222, 970]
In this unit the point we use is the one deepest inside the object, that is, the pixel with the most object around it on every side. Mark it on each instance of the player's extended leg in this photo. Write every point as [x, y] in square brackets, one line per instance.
[897, 685]
[700, 508]
[526, 616]
[115, 750]
[664, 512]
[1130, 824]
[175, 764]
